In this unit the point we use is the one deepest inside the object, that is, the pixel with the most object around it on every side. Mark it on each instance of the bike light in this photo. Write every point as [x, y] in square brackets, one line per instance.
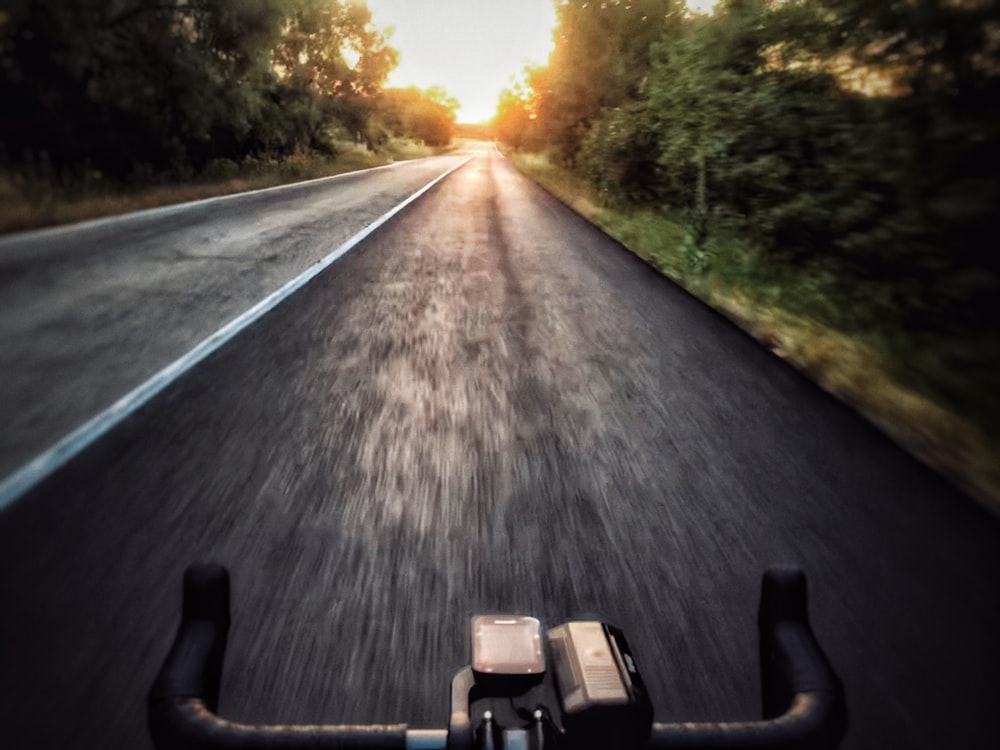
[506, 647]
[599, 684]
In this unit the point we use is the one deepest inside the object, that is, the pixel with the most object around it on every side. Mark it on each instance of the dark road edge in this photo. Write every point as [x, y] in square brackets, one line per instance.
[976, 496]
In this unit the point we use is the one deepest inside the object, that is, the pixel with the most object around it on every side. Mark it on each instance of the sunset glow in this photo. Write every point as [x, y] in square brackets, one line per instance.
[702, 6]
[470, 47]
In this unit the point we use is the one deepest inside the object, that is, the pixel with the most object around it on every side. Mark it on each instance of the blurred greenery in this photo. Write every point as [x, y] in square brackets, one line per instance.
[835, 159]
[426, 115]
[134, 93]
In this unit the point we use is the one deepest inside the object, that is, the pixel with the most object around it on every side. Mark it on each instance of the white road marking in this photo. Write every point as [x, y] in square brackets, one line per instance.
[59, 454]
[144, 213]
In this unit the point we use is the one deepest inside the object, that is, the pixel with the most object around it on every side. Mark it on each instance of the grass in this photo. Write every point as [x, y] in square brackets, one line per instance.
[790, 313]
[40, 204]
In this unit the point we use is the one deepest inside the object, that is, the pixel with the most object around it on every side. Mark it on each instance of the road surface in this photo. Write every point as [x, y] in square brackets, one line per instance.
[92, 310]
[491, 406]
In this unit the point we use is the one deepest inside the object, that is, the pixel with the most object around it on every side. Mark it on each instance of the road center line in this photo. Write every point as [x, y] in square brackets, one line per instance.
[15, 485]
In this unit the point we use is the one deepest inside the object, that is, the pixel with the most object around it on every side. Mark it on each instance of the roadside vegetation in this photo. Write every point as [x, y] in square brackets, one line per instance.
[822, 171]
[122, 105]
[31, 204]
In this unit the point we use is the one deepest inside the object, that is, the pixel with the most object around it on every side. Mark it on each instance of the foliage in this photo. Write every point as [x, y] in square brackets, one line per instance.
[620, 155]
[517, 112]
[311, 50]
[600, 61]
[128, 88]
[851, 145]
[428, 116]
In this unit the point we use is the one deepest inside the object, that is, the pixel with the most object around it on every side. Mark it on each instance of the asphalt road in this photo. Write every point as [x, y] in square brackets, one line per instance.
[491, 406]
[90, 311]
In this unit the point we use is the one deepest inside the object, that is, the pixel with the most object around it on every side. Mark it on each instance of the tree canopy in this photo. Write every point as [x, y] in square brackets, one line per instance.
[428, 115]
[127, 88]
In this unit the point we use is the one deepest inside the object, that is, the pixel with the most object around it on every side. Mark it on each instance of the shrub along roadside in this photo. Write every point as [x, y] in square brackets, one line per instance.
[791, 314]
[41, 204]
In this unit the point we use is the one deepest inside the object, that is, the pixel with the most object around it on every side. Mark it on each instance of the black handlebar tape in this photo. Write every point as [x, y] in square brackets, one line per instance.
[804, 706]
[791, 660]
[185, 695]
[193, 668]
[187, 725]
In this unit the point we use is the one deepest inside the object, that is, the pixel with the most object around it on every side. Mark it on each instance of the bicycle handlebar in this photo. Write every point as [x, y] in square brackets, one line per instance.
[185, 696]
[803, 700]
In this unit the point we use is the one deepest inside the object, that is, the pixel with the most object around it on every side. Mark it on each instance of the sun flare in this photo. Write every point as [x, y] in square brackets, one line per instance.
[702, 6]
[470, 48]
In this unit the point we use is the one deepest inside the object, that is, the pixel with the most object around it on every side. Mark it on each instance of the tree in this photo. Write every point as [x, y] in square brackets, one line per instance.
[428, 115]
[315, 41]
[600, 61]
[132, 88]
[516, 120]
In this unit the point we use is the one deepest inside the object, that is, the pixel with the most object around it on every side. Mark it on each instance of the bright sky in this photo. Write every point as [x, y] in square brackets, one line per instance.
[702, 6]
[470, 47]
